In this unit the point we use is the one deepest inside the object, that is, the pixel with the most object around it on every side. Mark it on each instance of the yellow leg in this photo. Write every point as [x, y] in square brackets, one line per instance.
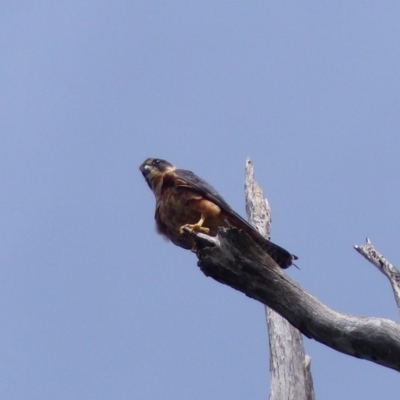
[198, 227]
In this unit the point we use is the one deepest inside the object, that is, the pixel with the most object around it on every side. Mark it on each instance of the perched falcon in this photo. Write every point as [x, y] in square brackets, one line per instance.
[185, 200]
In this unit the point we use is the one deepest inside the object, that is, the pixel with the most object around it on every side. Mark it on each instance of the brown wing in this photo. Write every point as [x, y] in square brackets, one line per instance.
[190, 180]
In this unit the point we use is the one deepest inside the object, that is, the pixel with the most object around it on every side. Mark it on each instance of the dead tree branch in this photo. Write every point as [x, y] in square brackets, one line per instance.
[234, 259]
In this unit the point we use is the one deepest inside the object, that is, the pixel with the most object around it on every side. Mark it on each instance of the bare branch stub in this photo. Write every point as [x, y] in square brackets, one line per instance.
[257, 206]
[369, 252]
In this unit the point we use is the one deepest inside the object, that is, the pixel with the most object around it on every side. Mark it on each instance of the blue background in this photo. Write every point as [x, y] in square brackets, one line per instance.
[95, 305]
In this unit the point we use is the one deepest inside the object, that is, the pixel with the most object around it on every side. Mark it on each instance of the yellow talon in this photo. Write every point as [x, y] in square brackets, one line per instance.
[198, 227]
[193, 228]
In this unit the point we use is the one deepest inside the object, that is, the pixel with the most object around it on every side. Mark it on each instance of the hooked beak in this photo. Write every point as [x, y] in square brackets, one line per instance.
[145, 169]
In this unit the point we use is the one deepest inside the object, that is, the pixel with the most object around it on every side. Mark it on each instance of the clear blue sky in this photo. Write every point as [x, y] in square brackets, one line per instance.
[95, 305]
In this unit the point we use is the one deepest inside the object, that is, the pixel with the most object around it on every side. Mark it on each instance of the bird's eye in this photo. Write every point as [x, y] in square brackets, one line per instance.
[156, 161]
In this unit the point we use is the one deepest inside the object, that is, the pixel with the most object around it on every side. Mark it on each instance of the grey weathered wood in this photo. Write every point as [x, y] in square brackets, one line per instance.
[384, 266]
[309, 379]
[257, 206]
[234, 259]
[290, 375]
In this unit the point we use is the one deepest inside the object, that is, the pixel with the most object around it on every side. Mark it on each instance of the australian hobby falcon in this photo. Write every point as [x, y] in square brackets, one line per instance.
[185, 200]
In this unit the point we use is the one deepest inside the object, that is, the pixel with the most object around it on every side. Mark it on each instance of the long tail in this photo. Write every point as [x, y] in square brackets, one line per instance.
[281, 256]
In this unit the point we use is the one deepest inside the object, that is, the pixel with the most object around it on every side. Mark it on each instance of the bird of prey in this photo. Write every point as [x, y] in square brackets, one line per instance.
[185, 200]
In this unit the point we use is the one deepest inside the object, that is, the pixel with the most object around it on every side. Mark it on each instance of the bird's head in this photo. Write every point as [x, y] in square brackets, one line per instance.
[153, 170]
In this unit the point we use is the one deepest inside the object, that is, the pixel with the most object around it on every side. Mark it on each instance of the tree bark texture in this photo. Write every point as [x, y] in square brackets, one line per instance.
[290, 374]
[384, 266]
